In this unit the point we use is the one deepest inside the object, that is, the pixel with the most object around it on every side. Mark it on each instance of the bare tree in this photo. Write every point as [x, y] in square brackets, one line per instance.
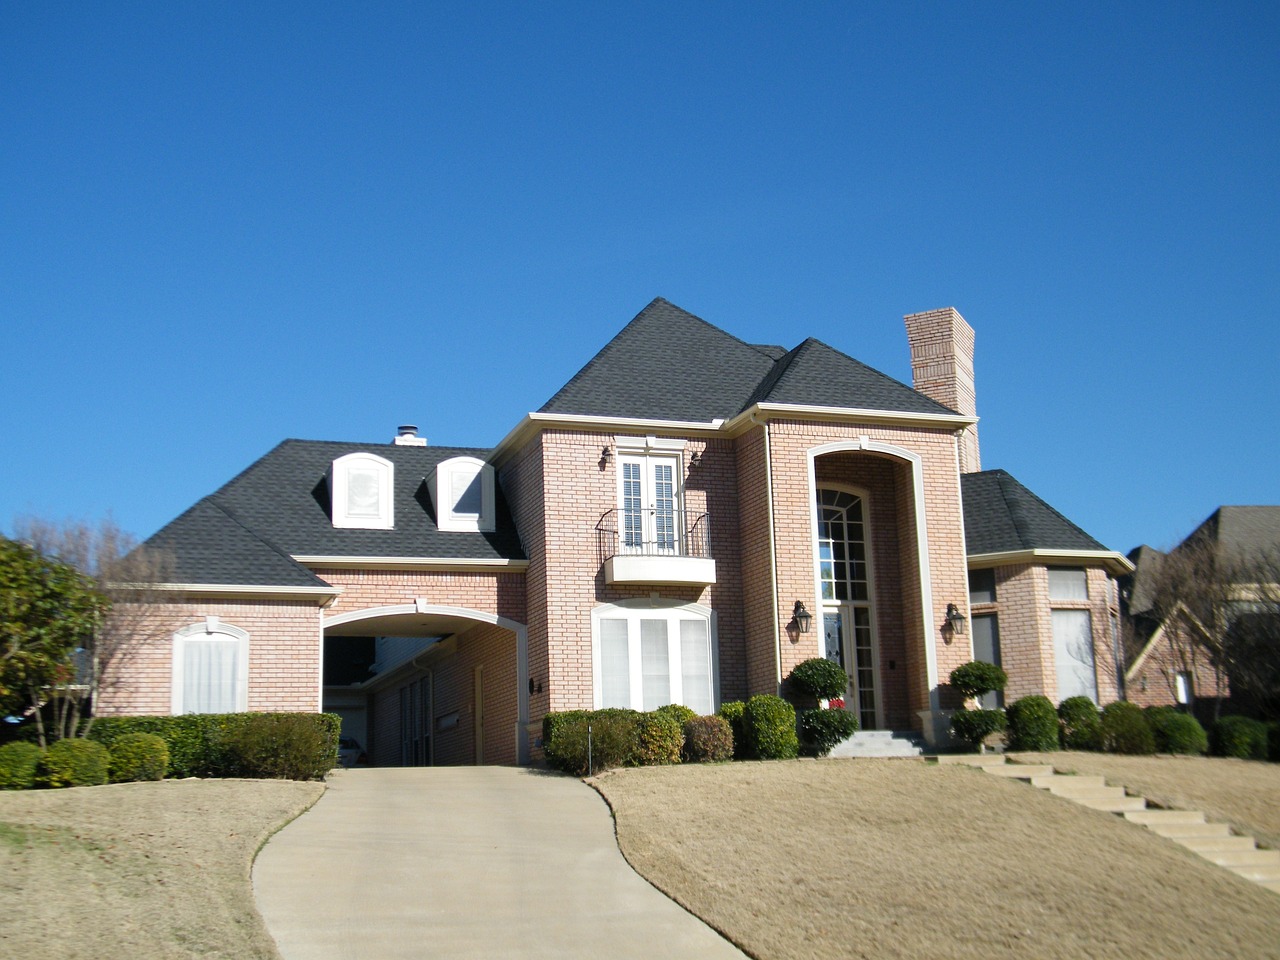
[128, 574]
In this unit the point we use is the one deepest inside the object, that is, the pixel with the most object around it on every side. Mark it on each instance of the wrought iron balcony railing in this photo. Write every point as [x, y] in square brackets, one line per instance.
[653, 532]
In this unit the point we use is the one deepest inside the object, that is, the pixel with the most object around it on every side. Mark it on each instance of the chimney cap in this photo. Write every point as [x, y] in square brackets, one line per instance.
[407, 436]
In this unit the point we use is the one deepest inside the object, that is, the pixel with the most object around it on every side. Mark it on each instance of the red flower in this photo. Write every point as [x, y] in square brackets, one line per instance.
[836, 703]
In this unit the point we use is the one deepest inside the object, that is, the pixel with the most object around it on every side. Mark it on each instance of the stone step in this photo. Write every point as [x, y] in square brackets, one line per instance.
[1019, 771]
[1189, 831]
[1258, 873]
[1245, 858]
[1116, 805]
[1165, 817]
[1053, 779]
[1088, 791]
[1207, 845]
[971, 759]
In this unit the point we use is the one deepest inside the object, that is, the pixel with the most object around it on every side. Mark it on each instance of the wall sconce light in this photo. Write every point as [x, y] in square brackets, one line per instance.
[534, 687]
[802, 617]
[696, 459]
[605, 456]
[956, 620]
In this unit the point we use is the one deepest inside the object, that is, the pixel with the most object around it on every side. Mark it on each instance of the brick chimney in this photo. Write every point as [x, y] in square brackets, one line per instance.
[942, 369]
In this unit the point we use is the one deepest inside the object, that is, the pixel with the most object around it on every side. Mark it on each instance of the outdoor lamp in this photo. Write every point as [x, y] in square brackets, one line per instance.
[955, 620]
[802, 617]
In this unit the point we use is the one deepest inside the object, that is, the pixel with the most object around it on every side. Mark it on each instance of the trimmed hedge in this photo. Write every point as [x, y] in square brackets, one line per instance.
[138, 756]
[819, 679]
[73, 763]
[822, 729]
[977, 677]
[679, 712]
[280, 746]
[659, 739]
[1033, 724]
[200, 743]
[588, 741]
[18, 764]
[1080, 724]
[1125, 729]
[974, 726]
[1240, 737]
[732, 713]
[707, 740]
[769, 725]
[1177, 732]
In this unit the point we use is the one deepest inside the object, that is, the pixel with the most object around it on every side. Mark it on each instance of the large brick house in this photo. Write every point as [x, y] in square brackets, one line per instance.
[688, 518]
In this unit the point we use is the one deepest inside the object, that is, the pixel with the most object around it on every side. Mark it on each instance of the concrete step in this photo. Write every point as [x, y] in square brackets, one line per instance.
[1071, 791]
[1165, 817]
[1207, 845]
[1258, 873]
[1019, 771]
[1116, 805]
[1190, 831]
[1245, 858]
[1272, 885]
[879, 743]
[971, 759]
[1048, 782]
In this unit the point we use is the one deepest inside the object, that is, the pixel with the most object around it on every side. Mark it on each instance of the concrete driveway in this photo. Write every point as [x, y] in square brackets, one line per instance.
[475, 862]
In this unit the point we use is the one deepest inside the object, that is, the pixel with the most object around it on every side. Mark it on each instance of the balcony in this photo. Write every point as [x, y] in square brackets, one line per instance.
[655, 546]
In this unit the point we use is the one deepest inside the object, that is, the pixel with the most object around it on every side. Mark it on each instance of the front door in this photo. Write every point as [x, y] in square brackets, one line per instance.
[849, 642]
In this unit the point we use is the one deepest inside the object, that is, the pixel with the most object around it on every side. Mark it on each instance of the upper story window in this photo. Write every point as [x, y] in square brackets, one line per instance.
[360, 489]
[1068, 583]
[462, 490]
[982, 586]
[649, 513]
[842, 546]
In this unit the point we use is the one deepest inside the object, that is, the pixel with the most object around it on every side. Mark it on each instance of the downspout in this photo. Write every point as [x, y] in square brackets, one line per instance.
[773, 551]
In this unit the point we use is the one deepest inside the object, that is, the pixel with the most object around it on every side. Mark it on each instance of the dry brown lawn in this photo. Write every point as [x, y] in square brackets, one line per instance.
[868, 858]
[143, 871]
[1243, 793]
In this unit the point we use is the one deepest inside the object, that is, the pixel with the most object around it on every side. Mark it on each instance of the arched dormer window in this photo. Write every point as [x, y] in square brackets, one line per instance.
[210, 668]
[360, 489]
[462, 490]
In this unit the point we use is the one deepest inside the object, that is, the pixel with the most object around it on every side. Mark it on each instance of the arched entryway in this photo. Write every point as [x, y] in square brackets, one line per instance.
[442, 685]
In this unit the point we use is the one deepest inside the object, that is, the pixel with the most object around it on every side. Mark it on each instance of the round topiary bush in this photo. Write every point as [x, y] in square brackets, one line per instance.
[1080, 723]
[818, 678]
[769, 724]
[659, 739]
[1240, 737]
[1125, 729]
[974, 726]
[73, 763]
[822, 729]
[1177, 732]
[1033, 724]
[732, 713]
[18, 764]
[976, 678]
[138, 756]
[707, 740]
[679, 712]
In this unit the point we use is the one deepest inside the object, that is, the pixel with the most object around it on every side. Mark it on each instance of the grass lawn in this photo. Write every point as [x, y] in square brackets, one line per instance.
[867, 858]
[139, 870]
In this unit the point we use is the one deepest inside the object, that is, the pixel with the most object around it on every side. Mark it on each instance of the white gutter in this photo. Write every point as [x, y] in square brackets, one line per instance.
[444, 564]
[1116, 563]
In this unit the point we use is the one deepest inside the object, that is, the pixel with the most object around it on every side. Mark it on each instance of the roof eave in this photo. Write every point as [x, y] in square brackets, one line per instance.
[323, 596]
[442, 564]
[796, 411]
[1116, 563]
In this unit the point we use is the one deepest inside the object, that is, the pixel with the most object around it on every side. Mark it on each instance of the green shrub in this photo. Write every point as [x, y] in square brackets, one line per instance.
[819, 679]
[1177, 732]
[732, 713]
[73, 763]
[769, 725]
[1080, 723]
[976, 678]
[1239, 737]
[281, 746]
[974, 726]
[553, 726]
[138, 756]
[659, 738]
[822, 729]
[18, 763]
[1125, 729]
[1032, 724]
[588, 741]
[1273, 741]
[679, 712]
[707, 740]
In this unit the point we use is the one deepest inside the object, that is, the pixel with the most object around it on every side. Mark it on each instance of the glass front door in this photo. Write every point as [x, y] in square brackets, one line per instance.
[849, 642]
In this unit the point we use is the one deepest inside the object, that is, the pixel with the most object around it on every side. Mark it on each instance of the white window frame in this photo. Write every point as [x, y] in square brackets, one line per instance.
[657, 608]
[340, 476]
[441, 485]
[649, 452]
[1064, 589]
[211, 629]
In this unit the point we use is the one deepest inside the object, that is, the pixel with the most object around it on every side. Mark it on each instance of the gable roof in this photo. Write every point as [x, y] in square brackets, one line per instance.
[278, 508]
[667, 364]
[1003, 516]
[1246, 531]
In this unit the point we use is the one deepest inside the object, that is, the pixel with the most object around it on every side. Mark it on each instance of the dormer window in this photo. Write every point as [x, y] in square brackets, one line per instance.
[360, 489]
[462, 490]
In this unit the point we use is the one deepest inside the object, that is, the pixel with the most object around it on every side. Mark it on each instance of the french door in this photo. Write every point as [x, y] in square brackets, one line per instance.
[648, 501]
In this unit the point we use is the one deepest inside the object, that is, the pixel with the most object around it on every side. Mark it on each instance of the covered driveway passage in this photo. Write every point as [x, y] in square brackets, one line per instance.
[465, 862]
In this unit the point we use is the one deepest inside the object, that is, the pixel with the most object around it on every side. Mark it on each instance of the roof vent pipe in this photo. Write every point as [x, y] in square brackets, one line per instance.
[407, 436]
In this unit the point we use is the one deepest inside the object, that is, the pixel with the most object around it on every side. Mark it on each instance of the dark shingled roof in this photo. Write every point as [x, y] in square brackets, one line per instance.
[667, 364]
[1242, 531]
[246, 532]
[1141, 583]
[1001, 515]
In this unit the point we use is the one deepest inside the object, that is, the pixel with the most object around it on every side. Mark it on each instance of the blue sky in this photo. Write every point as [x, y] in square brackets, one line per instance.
[222, 225]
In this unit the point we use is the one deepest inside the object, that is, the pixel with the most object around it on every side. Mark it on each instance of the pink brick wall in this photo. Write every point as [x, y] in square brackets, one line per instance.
[942, 369]
[1152, 682]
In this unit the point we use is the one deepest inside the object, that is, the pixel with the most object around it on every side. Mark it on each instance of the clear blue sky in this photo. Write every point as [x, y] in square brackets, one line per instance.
[225, 224]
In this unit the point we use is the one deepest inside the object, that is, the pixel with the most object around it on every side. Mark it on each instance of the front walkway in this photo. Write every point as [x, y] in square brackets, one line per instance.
[464, 862]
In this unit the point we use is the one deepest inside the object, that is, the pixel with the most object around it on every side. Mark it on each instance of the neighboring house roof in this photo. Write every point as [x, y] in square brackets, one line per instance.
[278, 508]
[1141, 586]
[1242, 531]
[1003, 516]
[667, 364]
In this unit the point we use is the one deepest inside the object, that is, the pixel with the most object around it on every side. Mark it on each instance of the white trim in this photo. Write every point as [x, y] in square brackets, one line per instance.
[800, 411]
[631, 609]
[1116, 563]
[440, 484]
[211, 626]
[648, 444]
[339, 502]
[866, 444]
[402, 563]
[240, 589]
